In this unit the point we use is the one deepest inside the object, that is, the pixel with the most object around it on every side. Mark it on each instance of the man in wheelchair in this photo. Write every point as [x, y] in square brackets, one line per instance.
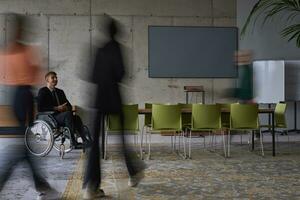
[53, 100]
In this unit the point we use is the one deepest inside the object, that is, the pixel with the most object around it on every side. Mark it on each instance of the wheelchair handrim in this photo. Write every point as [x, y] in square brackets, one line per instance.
[49, 147]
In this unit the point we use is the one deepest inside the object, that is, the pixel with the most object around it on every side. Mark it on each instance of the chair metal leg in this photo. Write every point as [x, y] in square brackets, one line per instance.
[184, 150]
[190, 151]
[179, 140]
[146, 136]
[241, 139]
[261, 143]
[149, 150]
[141, 145]
[287, 134]
[250, 141]
[224, 145]
[134, 141]
[210, 140]
[228, 141]
[214, 141]
[277, 140]
[174, 142]
[105, 147]
[172, 145]
[142, 136]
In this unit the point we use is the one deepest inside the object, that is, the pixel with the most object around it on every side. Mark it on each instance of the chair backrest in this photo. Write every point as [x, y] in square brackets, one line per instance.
[244, 116]
[280, 115]
[225, 116]
[147, 119]
[131, 119]
[186, 118]
[206, 116]
[166, 117]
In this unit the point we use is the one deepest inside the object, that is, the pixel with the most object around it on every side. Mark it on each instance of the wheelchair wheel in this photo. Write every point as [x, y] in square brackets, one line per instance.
[63, 137]
[39, 138]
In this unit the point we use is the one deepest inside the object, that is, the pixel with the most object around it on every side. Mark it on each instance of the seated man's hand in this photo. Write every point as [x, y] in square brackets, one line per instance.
[61, 108]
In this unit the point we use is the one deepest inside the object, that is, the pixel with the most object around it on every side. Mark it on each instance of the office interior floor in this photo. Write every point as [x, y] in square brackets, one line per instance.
[246, 175]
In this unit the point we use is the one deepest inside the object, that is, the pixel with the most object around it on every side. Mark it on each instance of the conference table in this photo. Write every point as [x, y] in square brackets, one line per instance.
[269, 111]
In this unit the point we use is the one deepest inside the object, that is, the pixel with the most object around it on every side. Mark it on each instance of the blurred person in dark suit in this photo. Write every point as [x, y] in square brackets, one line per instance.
[107, 73]
[20, 68]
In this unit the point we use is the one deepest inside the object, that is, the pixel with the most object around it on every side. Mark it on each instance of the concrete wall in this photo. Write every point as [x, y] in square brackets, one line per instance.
[68, 29]
[66, 32]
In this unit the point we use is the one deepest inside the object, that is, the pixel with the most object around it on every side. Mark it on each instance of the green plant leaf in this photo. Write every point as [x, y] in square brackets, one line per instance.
[292, 32]
[286, 9]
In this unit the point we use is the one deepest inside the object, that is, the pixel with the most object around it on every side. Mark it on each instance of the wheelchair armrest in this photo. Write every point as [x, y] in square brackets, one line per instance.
[46, 116]
[45, 113]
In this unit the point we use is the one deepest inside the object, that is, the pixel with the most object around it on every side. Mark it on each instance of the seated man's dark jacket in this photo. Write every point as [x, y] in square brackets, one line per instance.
[47, 101]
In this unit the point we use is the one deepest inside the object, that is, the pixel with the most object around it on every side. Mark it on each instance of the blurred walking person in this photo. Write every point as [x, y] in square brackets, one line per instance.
[20, 68]
[107, 73]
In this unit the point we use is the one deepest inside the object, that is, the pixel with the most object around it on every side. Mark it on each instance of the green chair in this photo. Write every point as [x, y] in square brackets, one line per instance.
[244, 117]
[206, 118]
[225, 117]
[280, 121]
[131, 124]
[165, 118]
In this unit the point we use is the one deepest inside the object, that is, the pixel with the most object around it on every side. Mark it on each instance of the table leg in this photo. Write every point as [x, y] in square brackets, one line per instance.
[273, 134]
[252, 133]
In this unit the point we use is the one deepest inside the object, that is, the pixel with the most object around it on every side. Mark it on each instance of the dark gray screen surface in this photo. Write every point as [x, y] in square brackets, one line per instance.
[190, 52]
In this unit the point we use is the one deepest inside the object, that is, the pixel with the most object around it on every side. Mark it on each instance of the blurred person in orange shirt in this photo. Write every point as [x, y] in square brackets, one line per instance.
[20, 68]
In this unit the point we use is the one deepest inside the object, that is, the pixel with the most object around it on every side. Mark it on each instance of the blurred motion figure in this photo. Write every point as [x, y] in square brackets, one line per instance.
[244, 91]
[20, 68]
[107, 73]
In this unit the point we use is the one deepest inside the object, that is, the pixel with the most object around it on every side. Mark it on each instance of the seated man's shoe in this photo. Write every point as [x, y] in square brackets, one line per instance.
[135, 180]
[78, 145]
[49, 194]
[87, 144]
[91, 194]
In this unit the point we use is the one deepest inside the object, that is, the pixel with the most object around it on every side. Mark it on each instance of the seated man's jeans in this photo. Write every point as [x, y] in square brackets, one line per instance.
[78, 127]
[66, 119]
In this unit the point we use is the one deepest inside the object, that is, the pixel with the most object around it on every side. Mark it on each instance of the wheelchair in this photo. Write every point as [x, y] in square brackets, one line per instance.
[44, 134]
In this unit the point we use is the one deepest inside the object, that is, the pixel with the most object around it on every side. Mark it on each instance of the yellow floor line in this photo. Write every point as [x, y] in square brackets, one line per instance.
[115, 186]
[73, 188]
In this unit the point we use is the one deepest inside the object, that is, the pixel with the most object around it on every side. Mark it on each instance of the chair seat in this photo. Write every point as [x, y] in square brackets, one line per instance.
[117, 132]
[205, 129]
[226, 125]
[167, 131]
[245, 129]
[184, 127]
[276, 126]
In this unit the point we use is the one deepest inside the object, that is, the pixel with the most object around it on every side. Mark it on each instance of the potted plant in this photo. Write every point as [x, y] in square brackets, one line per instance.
[288, 9]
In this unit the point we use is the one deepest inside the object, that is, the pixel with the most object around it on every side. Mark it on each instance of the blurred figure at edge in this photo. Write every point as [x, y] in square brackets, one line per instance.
[20, 69]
